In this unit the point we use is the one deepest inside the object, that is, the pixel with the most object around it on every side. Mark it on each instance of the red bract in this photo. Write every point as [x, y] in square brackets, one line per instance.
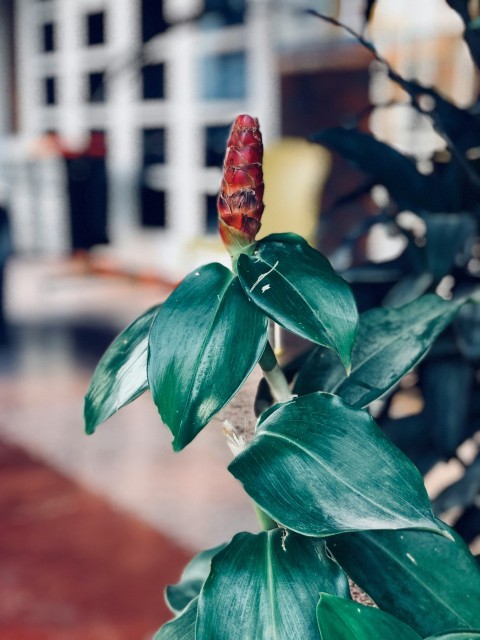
[240, 204]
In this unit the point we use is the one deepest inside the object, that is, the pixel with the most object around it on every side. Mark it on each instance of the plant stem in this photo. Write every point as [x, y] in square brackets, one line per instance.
[265, 521]
[274, 376]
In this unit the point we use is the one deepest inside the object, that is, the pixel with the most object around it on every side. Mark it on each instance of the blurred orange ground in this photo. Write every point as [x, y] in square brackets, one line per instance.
[71, 567]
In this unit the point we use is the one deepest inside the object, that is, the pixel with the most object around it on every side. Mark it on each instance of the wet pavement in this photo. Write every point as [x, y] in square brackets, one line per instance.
[61, 318]
[71, 566]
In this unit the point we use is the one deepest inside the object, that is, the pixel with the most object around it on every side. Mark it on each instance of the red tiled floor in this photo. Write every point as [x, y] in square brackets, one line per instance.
[70, 566]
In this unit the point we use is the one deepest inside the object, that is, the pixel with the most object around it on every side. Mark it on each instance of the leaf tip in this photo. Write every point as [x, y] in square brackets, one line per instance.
[445, 534]
[178, 445]
[90, 424]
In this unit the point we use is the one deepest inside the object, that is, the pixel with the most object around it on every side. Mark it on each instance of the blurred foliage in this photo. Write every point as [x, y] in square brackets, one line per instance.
[441, 254]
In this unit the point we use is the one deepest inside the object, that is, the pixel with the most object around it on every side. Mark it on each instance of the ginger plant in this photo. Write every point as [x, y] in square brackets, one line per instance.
[335, 497]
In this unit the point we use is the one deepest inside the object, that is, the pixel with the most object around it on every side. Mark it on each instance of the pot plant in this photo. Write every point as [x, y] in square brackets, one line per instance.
[335, 497]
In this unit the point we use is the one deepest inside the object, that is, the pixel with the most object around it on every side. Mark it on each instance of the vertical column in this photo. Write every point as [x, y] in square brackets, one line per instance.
[124, 153]
[69, 15]
[184, 205]
[29, 90]
[263, 76]
[54, 212]
[23, 197]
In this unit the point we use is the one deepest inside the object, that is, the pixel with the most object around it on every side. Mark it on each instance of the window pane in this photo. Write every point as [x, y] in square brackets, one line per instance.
[211, 218]
[152, 19]
[96, 28]
[48, 37]
[96, 87]
[215, 144]
[50, 91]
[153, 207]
[225, 12]
[153, 82]
[153, 146]
[224, 76]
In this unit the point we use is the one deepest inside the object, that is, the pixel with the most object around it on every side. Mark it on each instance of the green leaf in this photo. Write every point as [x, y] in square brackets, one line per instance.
[203, 344]
[266, 586]
[121, 375]
[395, 171]
[389, 343]
[447, 239]
[340, 619]
[182, 627]
[320, 467]
[297, 287]
[429, 582]
[179, 595]
[457, 635]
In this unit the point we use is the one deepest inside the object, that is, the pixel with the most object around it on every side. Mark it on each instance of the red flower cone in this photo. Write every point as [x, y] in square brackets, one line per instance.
[240, 202]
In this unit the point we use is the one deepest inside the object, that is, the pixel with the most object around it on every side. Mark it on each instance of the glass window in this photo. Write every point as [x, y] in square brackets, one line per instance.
[153, 82]
[96, 87]
[152, 200]
[153, 207]
[224, 12]
[215, 145]
[152, 20]
[50, 91]
[48, 37]
[224, 76]
[96, 28]
[153, 146]
[211, 216]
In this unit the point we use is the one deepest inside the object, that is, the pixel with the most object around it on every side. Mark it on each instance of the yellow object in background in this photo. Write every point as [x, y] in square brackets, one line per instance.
[295, 172]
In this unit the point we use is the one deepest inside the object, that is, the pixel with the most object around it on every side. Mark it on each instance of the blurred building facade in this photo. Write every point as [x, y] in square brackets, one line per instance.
[132, 100]
[114, 125]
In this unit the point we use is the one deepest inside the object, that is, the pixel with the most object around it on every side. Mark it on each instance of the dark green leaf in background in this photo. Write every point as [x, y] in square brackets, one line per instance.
[428, 581]
[448, 240]
[320, 467]
[340, 619]
[389, 343]
[121, 375]
[179, 595]
[447, 389]
[266, 586]
[182, 627]
[203, 344]
[296, 286]
[398, 174]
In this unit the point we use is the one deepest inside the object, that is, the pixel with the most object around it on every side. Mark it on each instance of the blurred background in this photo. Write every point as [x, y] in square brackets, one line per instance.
[114, 115]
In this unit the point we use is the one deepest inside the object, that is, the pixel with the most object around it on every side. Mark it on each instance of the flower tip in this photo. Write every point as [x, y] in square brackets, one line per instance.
[246, 122]
[240, 203]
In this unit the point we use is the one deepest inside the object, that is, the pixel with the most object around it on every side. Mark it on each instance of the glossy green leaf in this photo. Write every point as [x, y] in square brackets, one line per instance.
[203, 344]
[390, 342]
[297, 287]
[266, 586]
[457, 635]
[320, 467]
[121, 375]
[340, 619]
[429, 582]
[180, 628]
[179, 595]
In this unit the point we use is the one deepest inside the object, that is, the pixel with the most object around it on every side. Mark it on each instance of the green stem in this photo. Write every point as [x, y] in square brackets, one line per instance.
[265, 520]
[274, 376]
